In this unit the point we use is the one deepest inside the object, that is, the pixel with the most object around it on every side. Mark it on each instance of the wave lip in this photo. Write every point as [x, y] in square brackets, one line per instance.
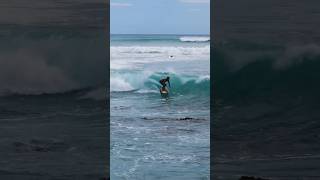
[195, 38]
[120, 84]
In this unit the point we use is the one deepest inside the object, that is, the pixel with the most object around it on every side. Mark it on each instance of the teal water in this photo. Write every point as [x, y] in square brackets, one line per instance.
[154, 137]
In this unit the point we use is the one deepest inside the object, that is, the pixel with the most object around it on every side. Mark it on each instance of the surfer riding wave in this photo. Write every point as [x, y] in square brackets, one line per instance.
[164, 82]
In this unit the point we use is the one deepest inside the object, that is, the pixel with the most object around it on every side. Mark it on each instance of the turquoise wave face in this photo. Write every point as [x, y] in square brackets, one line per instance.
[138, 81]
[183, 84]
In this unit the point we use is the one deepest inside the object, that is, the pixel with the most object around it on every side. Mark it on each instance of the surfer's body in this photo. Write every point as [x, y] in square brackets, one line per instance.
[163, 82]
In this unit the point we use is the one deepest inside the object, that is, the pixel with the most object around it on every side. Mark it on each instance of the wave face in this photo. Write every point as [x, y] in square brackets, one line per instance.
[195, 39]
[267, 72]
[52, 61]
[141, 82]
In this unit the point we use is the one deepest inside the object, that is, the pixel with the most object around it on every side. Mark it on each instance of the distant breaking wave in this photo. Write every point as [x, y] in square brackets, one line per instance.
[131, 56]
[195, 39]
[93, 93]
[158, 52]
[51, 63]
[174, 50]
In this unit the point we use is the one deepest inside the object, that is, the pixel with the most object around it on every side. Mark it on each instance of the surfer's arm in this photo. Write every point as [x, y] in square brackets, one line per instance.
[169, 83]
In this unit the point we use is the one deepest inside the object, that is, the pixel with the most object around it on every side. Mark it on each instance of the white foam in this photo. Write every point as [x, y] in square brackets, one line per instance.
[195, 38]
[142, 91]
[203, 78]
[156, 51]
[159, 51]
[128, 57]
[120, 84]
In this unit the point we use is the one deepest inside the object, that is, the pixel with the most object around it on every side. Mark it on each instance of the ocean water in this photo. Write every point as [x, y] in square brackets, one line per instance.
[266, 111]
[266, 89]
[53, 103]
[53, 109]
[155, 137]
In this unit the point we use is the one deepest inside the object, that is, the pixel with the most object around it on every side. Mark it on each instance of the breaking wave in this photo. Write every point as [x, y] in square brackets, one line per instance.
[287, 72]
[51, 63]
[195, 39]
[141, 82]
[159, 51]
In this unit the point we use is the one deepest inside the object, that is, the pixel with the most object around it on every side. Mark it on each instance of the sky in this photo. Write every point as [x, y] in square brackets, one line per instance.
[160, 16]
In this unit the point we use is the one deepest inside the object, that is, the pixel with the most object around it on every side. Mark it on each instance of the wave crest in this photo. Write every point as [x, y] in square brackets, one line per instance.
[154, 51]
[195, 39]
[51, 64]
[286, 72]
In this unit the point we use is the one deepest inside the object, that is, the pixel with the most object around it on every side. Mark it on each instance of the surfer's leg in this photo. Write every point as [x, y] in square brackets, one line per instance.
[164, 87]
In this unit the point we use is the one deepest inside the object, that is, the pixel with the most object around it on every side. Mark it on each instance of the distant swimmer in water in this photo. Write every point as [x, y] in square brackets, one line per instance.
[164, 82]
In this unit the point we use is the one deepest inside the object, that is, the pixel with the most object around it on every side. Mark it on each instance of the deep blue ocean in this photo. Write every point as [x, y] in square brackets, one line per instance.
[155, 137]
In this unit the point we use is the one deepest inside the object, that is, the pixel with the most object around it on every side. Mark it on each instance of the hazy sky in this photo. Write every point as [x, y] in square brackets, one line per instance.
[160, 16]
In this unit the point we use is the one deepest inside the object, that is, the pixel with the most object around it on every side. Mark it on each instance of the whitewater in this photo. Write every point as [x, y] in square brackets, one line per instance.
[151, 135]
